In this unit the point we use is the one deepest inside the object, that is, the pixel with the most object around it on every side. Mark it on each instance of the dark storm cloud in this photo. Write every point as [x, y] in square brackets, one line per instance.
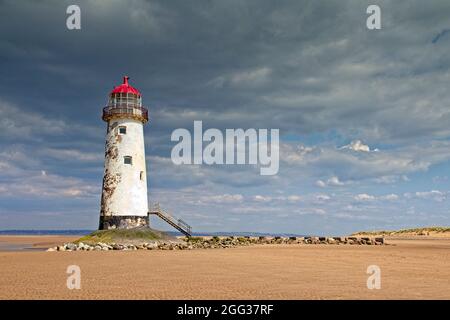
[294, 65]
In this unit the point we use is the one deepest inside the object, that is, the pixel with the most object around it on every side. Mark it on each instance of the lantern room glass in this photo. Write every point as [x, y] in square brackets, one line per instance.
[124, 100]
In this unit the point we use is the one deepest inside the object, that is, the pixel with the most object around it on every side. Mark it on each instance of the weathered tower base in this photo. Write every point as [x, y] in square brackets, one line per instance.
[122, 222]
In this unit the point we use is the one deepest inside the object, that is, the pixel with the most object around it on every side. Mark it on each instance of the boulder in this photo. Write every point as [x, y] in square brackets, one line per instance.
[152, 246]
[71, 246]
[314, 240]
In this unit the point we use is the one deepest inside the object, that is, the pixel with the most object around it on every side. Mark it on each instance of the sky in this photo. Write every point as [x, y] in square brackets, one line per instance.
[363, 114]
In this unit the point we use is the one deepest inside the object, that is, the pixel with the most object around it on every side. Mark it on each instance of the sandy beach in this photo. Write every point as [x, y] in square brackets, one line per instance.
[410, 269]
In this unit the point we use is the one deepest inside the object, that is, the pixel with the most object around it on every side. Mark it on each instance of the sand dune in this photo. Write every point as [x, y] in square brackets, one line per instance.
[415, 233]
[412, 269]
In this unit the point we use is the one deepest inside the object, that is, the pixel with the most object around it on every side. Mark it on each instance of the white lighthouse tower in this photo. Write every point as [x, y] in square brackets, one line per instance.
[124, 195]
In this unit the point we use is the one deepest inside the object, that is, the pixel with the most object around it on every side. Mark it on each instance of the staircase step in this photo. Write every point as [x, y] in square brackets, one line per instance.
[185, 228]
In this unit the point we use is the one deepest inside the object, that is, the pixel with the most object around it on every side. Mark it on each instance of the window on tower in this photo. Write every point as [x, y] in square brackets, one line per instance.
[122, 130]
[128, 160]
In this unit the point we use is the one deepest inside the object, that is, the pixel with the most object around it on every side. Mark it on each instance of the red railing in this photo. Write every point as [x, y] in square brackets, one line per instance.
[124, 111]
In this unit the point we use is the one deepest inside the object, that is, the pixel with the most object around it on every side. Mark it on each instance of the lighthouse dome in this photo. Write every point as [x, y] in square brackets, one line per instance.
[125, 88]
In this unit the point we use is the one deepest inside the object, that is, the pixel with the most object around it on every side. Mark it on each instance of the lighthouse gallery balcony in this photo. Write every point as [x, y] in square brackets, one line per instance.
[125, 111]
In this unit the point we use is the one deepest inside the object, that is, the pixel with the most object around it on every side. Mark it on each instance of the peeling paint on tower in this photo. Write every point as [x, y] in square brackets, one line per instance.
[110, 182]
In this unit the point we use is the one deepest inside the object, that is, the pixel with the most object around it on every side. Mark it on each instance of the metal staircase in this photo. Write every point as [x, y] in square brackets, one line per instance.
[178, 224]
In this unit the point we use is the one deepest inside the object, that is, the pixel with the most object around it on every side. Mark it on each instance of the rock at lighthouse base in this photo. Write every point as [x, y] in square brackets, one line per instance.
[135, 236]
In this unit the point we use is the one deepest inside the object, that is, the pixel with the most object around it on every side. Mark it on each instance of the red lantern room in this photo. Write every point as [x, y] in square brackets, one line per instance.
[125, 101]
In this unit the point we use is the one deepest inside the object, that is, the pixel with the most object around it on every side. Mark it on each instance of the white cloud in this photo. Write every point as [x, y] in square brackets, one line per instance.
[333, 182]
[323, 197]
[369, 197]
[364, 197]
[357, 145]
[390, 197]
[223, 198]
[23, 175]
[313, 211]
[435, 195]
[294, 198]
[261, 198]
[391, 179]
[321, 184]
[41, 184]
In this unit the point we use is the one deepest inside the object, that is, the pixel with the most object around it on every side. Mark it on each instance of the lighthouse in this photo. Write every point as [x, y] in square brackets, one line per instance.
[124, 195]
